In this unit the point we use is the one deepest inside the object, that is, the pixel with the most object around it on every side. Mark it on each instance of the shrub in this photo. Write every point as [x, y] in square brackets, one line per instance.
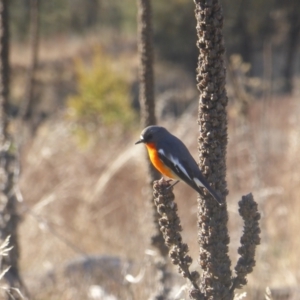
[103, 98]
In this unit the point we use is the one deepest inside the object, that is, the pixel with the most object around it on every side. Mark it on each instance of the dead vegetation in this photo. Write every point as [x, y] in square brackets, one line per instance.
[88, 201]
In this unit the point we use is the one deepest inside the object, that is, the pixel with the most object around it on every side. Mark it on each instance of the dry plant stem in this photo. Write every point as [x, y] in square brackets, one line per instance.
[146, 80]
[9, 218]
[170, 227]
[216, 281]
[28, 103]
[147, 103]
[146, 97]
[212, 119]
[4, 71]
[249, 240]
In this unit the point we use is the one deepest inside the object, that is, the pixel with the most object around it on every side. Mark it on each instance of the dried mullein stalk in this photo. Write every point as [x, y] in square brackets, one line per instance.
[249, 240]
[170, 227]
[212, 120]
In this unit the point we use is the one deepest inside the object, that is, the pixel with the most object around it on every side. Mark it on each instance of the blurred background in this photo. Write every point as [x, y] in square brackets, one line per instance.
[83, 181]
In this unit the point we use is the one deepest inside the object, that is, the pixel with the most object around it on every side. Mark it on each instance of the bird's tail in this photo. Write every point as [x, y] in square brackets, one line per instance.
[214, 194]
[204, 183]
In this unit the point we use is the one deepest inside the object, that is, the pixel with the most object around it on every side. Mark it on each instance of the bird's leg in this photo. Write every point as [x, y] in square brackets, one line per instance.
[173, 183]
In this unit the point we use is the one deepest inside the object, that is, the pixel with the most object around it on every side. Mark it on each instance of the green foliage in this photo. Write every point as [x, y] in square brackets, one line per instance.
[120, 15]
[175, 31]
[103, 98]
[248, 25]
[55, 17]
[73, 16]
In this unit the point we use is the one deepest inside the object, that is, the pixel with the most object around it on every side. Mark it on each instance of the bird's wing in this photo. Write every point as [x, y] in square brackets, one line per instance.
[180, 168]
[187, 170]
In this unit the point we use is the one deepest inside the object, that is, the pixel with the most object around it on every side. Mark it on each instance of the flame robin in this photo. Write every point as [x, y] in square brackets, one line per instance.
[171, 158]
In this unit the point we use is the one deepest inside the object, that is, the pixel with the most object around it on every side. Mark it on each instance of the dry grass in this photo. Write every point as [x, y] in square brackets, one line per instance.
[61, 184]
[89, 201]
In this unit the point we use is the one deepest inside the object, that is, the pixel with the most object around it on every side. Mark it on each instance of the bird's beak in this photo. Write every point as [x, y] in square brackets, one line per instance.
[139, 141]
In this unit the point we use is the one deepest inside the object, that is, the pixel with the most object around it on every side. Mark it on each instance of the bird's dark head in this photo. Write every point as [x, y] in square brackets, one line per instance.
[151, 134]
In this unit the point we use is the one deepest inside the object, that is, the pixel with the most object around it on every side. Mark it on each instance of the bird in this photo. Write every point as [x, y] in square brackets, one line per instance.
[171, 158]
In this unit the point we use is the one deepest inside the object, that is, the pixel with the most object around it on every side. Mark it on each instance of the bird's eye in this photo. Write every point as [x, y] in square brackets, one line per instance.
[150, 136]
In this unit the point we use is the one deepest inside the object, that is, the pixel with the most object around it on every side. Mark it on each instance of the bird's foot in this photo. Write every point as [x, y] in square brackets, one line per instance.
[172, 185]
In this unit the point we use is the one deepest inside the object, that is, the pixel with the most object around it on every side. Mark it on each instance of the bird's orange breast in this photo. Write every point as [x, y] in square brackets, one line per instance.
[157, 163]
